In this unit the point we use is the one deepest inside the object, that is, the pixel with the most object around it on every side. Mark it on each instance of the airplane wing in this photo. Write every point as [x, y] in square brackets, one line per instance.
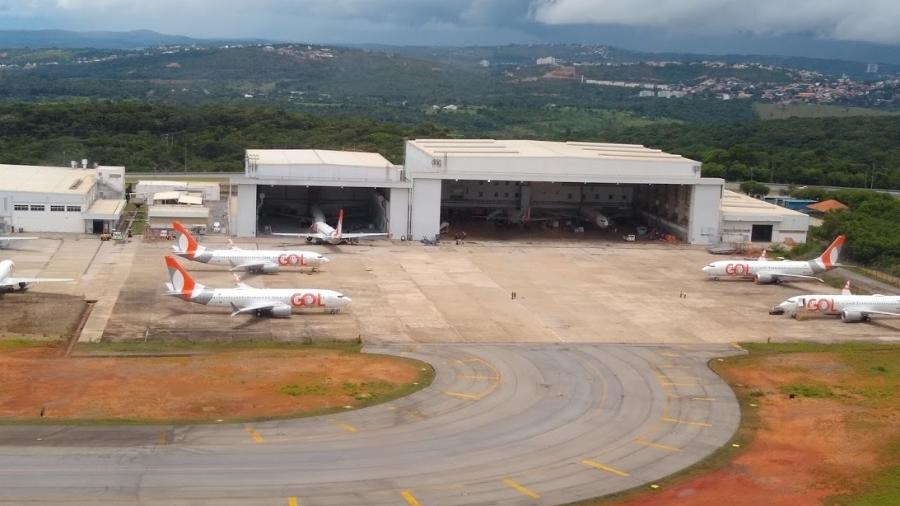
[305, 235]
[251, 265]
[255, 307]
[882, 313]
[795, 276]
[11, 281]
[363, 235]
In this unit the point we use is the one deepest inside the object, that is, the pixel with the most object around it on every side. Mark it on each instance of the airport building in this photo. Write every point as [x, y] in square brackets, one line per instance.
[446, 180]
[746, 219]
[61, 199]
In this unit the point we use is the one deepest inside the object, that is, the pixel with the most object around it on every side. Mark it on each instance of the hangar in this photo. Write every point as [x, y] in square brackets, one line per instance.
[746, 219]
[449, 179]
[280, 188]
[61, 199]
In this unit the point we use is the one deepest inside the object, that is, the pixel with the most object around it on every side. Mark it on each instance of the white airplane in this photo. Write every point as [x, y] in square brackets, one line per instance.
[244, 299]
[10, 283]
[767, 271]
[5, 240]
[264, 261]
[851, 308]
[321, 232]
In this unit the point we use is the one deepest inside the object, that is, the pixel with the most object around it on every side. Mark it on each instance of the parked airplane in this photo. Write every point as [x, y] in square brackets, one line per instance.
[5, 240]
[768, 271]
[244, 299]
[10, 283]
[851, 308]
[321, 232]
[264, 261]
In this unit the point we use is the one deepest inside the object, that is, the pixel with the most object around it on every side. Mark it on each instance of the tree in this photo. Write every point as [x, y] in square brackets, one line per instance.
[754, 189]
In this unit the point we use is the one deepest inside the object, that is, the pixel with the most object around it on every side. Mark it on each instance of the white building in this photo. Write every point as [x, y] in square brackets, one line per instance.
[746, 219]
[145, 189]
[61, 199]
[443, 176]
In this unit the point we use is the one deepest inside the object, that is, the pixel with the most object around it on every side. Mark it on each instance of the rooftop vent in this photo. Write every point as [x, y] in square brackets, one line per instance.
[76, 184]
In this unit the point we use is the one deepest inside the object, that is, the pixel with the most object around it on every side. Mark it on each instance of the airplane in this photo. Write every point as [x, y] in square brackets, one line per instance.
[321, 232]
[10, 283]
[768, 271]
[851, 308]
[258, 261]
[244, 299]
[5, 240]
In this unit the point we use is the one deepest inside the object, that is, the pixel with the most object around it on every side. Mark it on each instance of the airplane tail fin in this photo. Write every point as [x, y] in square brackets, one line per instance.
[846, 290]
[829, 259]
[180, 282]
[340, 223]
[185, 241]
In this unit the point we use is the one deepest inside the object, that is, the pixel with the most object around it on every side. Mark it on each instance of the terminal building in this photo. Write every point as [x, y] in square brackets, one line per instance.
[447, 178]
[61, 199]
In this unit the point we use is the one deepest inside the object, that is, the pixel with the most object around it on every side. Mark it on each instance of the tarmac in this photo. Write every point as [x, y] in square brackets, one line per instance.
[501, 424]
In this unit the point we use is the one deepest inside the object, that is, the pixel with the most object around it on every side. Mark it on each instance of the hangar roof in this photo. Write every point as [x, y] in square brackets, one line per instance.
[530, 148]
[37, 179]
[318, 157]
[737, 204]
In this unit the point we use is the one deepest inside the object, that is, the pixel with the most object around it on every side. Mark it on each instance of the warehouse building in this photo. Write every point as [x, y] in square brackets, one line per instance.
[746, 219]
[61, 199]
[445, 179]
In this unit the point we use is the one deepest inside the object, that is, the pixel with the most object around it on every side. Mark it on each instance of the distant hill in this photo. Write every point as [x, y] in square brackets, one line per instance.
[136, 39]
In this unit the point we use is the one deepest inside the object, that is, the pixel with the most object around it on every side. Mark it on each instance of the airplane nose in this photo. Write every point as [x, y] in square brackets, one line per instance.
[705, 269]
[324, 260]
[347, 300]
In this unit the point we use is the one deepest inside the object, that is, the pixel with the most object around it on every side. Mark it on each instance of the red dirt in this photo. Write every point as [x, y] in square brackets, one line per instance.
[806, 449]
[229, 385]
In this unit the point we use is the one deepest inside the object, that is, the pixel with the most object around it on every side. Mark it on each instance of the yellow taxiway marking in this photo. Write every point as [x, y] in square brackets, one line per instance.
[669, 354]
[657, 445]
[597, 465]
[472, 359]
[702, 399]
[410, 498]
[518, 487]
[679, 378]
[292, 501]
[346, 426]
[460, 395]
[163, 438]
[257, 437]
[476, 377]
[672, 384]
[687, 422]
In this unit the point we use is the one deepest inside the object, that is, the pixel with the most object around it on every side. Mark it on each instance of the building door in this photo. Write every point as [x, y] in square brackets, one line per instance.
[761, 233]
[98, 226]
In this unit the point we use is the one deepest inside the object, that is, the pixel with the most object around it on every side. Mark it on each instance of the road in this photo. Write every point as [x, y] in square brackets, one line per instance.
[502, 424]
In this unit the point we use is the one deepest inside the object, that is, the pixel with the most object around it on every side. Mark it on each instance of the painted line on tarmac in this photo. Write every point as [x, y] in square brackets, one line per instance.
[292, 501]
[679, 378]
[460, 395]
[163, 438]
[657, 445]
[410, 499]
[703, 399]
[518, 487]
[476, 377]
[672, 384]
[601, 467]
[687, 422]
[346, 426]
[257, 437]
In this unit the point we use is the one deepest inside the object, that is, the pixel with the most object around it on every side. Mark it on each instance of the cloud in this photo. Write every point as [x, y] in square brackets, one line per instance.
[858, 20]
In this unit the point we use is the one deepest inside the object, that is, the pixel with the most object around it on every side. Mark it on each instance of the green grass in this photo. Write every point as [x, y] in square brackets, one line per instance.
[784, 111]
[807, 390]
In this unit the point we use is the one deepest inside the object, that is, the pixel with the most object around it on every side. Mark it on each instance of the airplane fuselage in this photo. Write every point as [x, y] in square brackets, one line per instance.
[751, 269]
[273, 258]
[297, 299]
[6, 269]
[849, 307]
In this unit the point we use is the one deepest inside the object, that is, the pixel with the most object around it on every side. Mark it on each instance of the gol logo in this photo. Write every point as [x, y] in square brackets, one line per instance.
[307, 300]
[821, 305]
[737, 269]
[291, 260]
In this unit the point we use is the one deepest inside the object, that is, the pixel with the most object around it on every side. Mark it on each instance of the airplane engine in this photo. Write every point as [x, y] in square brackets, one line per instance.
[853, 317]
[269, 269]
[23, 286]
[763, 278]
[281, 312]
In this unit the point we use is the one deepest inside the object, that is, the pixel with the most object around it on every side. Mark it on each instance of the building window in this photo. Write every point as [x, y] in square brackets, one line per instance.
[57, 209]
[35, 207]
[20, 207]
[73, 209]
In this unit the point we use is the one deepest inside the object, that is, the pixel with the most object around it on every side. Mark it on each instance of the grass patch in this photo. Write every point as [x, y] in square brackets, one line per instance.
[152, 346]
[807, 390]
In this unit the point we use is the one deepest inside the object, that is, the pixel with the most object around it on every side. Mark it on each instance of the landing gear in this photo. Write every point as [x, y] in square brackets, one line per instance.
[23, 287]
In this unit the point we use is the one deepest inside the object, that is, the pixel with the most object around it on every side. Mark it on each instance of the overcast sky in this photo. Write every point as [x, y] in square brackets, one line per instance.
[471, 21]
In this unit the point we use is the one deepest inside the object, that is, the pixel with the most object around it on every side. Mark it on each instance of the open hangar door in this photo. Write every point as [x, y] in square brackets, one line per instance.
[496, 209]
[292, 209]
[535, 209]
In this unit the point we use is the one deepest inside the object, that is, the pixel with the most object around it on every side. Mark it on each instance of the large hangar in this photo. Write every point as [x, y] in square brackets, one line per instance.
[643, 185]
[281, 187]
